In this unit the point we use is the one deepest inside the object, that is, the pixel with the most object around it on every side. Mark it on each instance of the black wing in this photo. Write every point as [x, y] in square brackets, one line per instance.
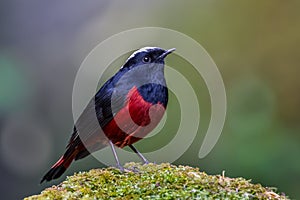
[97, 114]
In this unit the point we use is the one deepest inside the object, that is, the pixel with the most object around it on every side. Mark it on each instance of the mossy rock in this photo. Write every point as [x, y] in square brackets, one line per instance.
[153, 181]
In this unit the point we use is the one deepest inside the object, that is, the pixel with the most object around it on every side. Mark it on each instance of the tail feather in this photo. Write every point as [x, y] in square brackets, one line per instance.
[60, 166]
[82, 154]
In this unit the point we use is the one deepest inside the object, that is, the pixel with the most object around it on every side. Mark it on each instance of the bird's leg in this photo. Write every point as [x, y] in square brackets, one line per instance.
[139, 154]
[116, 157]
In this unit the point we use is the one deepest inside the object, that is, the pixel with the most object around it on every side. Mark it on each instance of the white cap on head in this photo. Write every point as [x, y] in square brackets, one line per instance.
[144, 49]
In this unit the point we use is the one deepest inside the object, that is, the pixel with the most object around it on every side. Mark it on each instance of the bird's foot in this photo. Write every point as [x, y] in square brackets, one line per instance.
[123, 169]
[133, 169]
[120, 167]
[146, 162]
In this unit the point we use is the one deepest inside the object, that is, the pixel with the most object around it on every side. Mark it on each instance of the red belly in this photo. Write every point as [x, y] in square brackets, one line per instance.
[134, 121]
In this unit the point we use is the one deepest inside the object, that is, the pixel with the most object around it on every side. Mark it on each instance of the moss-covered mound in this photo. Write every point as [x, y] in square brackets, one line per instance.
[154, 181]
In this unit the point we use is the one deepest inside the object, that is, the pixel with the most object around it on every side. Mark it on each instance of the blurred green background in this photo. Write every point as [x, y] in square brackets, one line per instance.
[255, 45]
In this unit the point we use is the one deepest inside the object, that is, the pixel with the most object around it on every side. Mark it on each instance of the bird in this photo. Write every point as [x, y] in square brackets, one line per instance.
[125, 109]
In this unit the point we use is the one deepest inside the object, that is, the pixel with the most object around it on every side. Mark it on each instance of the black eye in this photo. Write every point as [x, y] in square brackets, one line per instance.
[146, 59]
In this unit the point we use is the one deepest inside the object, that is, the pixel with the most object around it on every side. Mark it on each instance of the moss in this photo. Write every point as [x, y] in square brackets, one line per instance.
[152, 181]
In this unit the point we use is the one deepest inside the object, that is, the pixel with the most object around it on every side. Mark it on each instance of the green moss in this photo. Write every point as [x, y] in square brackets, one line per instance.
[152, 181]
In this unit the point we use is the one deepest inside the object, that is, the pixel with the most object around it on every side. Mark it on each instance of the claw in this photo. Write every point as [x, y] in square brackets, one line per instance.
[120, 167]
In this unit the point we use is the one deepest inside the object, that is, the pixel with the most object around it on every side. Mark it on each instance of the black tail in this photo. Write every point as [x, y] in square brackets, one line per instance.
[60, 166]
[53, 173]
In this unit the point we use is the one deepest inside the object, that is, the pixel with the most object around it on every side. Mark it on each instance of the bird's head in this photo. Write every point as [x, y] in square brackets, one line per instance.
[147, 55]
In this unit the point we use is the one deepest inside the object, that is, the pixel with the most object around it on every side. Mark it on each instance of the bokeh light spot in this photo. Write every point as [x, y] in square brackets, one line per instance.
[25, 146]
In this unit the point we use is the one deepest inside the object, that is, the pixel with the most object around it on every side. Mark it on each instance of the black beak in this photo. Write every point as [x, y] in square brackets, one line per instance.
[167, 52]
